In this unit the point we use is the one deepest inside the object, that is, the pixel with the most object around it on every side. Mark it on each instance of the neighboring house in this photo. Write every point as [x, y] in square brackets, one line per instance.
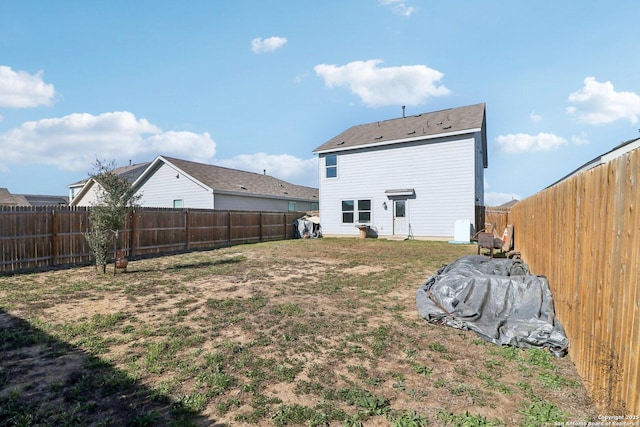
[175, 183]
[8, 199]
[617, 151]
[410, 176]
[85, 192]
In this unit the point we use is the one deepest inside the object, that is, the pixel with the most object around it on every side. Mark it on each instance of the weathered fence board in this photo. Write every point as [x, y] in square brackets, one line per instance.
[46, 237]
[584, 235]
[497, 217]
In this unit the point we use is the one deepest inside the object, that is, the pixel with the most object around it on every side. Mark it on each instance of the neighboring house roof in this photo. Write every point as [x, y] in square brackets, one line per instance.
[617, 151]
[8, 199]
[453, 121]
[130, 173]
[233, 181]
[43, 200]
[508, 204]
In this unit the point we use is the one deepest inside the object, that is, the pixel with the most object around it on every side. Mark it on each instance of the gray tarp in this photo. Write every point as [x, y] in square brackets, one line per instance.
[307, 227]
[497, 299]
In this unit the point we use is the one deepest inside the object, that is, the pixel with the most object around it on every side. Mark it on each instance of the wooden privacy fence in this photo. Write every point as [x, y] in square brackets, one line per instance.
[498, 217]
[584, 235]
[38, 238]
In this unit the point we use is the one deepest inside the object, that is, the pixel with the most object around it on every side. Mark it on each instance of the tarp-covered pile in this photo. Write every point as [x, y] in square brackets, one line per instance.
[497, 299]
[307, 227]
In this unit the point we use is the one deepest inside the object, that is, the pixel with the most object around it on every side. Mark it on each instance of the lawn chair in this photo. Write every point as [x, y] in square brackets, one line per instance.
[488, 241]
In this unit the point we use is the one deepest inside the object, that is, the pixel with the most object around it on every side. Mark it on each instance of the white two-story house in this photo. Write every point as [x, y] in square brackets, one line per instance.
[411, 176]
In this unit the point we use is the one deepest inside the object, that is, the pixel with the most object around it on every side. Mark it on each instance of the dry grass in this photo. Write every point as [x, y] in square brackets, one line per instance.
[313, 332]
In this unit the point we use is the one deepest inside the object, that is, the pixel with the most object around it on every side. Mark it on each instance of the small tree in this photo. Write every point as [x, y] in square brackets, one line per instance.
[115, 199]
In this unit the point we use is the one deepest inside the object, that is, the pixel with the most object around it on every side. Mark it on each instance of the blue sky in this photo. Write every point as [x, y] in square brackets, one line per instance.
[259, 84]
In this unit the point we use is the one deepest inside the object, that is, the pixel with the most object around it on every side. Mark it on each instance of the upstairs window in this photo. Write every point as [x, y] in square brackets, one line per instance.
[331, 165]
[177, 204]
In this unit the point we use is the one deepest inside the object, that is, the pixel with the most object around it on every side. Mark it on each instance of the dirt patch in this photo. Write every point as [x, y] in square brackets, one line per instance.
[255, 335]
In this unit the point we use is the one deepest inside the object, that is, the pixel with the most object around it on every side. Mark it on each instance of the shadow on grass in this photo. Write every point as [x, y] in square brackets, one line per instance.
[45, 381]
[189, 266]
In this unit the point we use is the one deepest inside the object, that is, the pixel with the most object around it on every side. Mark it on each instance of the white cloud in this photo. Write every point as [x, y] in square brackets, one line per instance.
[494, 198]
[379, 86]
[515, 143]
[283, 166]
[399, 7]
[581, 139]
[598, 103]
[19, 89]
[74, 142]
[259, 45]
[535, 118]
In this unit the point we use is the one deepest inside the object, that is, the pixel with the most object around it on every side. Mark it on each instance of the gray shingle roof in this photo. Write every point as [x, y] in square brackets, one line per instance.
[130, 173]
[453, 120]
[241, 182]
[6, 198]
[45, 200]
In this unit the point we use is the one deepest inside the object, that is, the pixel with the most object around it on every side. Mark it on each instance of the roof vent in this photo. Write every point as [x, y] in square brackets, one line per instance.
[340, 143]
[411, 133]
[378, 137]
[243, 187]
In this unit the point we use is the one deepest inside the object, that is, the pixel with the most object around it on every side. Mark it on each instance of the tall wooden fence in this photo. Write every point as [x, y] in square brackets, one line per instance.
[498, 217]
[584, 235]
[48, 237]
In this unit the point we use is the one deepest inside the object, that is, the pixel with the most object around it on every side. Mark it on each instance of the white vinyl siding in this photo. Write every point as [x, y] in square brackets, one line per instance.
[442, 172]
[90, 197]
[167, 184]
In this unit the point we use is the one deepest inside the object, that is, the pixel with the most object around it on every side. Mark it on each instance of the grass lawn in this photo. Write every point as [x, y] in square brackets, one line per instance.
[300, 332]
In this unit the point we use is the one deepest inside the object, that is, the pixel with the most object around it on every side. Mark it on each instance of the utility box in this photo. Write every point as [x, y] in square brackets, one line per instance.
[462, 231]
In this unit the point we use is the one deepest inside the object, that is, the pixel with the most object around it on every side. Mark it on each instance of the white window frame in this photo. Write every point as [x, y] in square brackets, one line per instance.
[344, 211]
[333, 166]
[360, 211]
[356, 211]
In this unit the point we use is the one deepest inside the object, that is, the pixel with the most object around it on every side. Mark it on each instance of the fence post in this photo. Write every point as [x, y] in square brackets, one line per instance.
[261, 227]
[55, 230]
[132, 236]
[229, 227]
[187, 228]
